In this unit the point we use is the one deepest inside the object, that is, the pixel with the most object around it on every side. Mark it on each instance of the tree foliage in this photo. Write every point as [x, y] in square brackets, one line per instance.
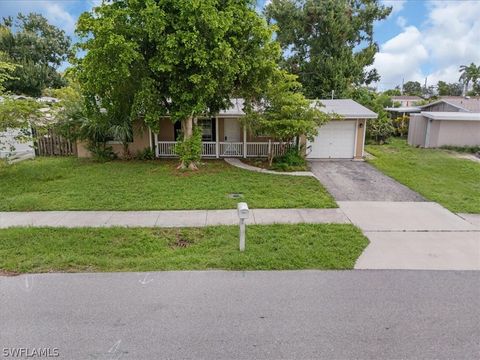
[470, 74]
[412, 88]
[380, 129]
[328, 43]
[179, 58]
[283, 113]
[39, 48]
[449, 89]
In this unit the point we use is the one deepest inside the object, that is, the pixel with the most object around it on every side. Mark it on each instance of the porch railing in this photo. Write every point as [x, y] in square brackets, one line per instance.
[228, 149]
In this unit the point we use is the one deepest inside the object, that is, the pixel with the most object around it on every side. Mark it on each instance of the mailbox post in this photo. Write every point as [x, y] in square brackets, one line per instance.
[243, 214]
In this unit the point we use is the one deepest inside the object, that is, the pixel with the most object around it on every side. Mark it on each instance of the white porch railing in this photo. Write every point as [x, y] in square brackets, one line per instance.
[209, 148]
[227, 149]
[166, 148]
[231, 149]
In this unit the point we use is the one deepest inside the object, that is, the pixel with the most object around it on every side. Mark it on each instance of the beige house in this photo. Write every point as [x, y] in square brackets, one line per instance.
[435, 129]
[449, 121]
[224, 135]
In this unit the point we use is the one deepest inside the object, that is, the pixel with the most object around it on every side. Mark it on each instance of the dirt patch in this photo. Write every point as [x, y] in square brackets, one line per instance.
[8, 273]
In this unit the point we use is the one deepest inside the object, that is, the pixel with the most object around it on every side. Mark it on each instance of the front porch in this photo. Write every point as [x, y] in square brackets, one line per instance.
[222, 137]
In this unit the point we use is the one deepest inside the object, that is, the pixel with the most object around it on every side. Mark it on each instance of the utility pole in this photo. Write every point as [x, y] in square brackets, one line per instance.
[333, 92]
[403, 82]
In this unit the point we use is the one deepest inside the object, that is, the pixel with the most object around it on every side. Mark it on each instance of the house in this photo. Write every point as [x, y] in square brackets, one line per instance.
[406, 100]
[448, 121]
[224, 135]
[435, 129]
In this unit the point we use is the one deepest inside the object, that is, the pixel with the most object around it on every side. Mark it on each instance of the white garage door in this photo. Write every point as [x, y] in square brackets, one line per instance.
[335, 140]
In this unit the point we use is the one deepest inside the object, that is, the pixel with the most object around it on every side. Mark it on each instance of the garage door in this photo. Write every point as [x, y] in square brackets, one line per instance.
[335, 140]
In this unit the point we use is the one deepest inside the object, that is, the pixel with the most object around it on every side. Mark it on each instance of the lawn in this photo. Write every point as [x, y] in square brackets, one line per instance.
[79, 184]
[436, 174]
[268, 247]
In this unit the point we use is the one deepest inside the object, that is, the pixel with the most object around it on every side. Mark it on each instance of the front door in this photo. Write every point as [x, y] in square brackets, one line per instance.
[231, 130]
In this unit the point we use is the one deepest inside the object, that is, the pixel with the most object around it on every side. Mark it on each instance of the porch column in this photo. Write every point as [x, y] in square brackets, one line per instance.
[217, 145]
[244, 142]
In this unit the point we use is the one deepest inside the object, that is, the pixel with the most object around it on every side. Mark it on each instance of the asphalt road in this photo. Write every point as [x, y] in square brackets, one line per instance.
[244, 315]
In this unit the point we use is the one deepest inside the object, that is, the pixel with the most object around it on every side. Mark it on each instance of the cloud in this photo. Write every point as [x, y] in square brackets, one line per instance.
[397, 5]
[450, 37]
[401, 21]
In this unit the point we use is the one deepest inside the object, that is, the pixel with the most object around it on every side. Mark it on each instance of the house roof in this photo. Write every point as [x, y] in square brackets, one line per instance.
[346, 108]
[462, 103]
[404, 109]
[449, 115]
[406, 97]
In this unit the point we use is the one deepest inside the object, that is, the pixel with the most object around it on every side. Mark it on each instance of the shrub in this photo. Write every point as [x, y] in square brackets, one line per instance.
[102, 153]
[190, 150]
[290, 161]
[462, 149]
[146, 154]
[379, 130]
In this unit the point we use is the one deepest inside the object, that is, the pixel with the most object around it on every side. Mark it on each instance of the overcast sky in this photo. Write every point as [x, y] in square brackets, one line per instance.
[419, 39]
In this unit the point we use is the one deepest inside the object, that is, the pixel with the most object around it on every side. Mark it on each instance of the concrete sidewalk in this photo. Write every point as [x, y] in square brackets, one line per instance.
[414, 235]
[177, 218]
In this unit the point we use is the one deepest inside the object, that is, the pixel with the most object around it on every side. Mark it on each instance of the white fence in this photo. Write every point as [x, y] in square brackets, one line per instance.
[228, 149]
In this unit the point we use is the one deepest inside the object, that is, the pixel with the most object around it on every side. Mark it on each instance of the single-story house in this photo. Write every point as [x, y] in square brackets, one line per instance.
[225, 136]
[451, 120]
[406, 100]
[434, 129]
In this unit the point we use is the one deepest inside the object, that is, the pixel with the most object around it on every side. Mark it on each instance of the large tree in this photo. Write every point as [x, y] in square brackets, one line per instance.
[449, 89]
[328, 43]
[179, 58]
[412, 88]
[39, 48]
[469, 74]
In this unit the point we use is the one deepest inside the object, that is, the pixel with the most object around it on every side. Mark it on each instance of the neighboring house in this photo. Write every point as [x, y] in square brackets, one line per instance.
[435, 129]
[448, 121]
[405, 100]
[224, 135]
[13, 148]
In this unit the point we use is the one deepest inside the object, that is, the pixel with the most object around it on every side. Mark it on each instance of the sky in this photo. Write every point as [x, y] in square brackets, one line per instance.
[420, 39]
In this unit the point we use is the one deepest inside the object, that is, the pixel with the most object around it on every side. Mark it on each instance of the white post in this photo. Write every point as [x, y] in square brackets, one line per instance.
[217, 146]
[243, 213]
[244, 141]
[269, 147]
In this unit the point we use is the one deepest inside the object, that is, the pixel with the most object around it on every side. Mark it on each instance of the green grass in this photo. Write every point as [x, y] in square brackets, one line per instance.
[436, 174]
[76, 184]
[272, 247]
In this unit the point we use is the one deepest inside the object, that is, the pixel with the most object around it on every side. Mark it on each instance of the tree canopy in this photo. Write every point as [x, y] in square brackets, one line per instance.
[38, 47]
[328, 43]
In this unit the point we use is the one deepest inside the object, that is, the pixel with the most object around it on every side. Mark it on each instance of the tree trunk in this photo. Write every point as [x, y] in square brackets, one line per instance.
[187, 130]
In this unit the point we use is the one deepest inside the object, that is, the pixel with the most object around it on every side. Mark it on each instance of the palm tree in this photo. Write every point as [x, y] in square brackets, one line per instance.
[470, 73]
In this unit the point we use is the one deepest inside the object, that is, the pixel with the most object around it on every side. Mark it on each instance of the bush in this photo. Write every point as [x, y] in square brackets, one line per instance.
[292, 160]
[146, 154]
[190, 150]
[380, 129]
[102, 153]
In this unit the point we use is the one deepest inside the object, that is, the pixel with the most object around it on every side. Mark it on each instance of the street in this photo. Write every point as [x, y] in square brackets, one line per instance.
[362, 314]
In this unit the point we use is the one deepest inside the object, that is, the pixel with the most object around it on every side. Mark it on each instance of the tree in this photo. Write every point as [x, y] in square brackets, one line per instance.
[470, 73]
[393, 92]
[381, 128]
[412, 88]
[449, 89]
[327, 43]
[284, 113]
[39, 47]
[179, 58]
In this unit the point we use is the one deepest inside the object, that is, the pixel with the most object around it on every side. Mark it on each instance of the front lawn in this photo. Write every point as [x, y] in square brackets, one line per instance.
[272, 247]
[436, 174]
[76, 184]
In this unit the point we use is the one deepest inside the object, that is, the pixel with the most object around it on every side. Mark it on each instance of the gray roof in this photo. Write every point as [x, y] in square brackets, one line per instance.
[347, 108]
[462, 103]
[449, 115]
[404, 109]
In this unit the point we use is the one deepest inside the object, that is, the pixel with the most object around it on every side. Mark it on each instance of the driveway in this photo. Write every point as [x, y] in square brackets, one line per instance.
[358, 181]
[245, 315]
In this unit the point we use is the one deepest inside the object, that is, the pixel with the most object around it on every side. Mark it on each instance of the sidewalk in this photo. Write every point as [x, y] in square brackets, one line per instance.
[178, 218]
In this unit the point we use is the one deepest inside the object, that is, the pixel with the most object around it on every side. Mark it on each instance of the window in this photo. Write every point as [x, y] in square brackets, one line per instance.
[208, 133]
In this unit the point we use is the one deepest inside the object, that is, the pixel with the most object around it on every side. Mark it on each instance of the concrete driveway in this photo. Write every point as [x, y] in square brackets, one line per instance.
[358, 181]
